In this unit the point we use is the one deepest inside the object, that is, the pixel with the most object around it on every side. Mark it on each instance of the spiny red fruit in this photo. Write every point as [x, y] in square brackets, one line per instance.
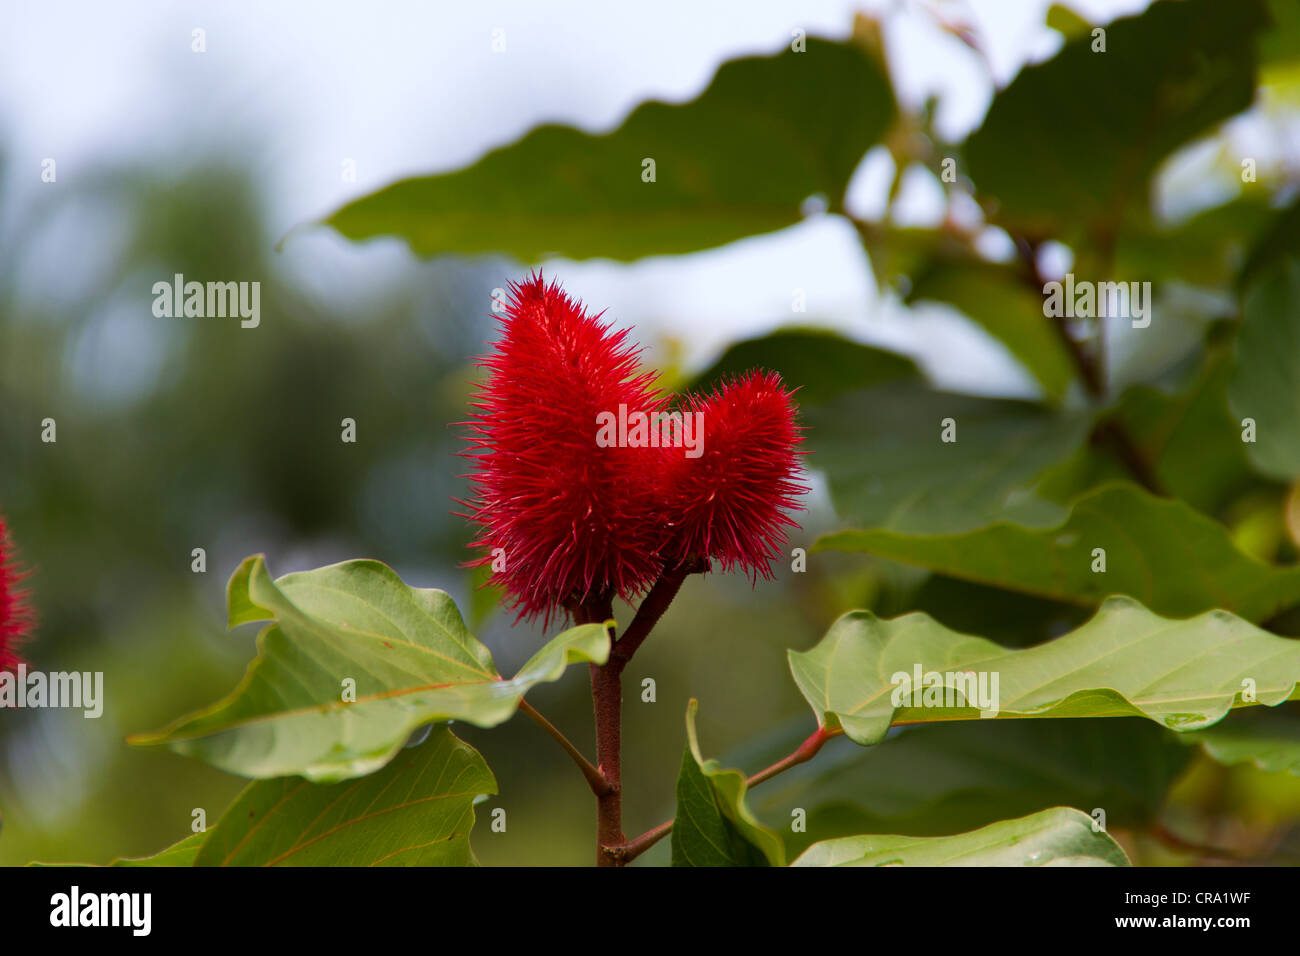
[573, 520]
[733, 502]
[15, 614]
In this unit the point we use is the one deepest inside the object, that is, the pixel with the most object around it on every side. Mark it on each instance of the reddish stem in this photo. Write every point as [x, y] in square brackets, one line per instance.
[607, 702]
[599, 785]
[633, 848]
[802, 754]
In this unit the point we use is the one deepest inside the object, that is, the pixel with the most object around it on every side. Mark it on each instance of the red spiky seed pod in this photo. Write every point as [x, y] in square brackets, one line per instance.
[15, 613]
[733, 503]
[562, 519]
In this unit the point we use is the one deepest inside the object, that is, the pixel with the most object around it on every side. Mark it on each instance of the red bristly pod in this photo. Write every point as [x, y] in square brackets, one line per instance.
[733, 503]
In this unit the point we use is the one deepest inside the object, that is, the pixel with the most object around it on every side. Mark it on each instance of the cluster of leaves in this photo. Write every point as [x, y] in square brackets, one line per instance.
[1187, 622]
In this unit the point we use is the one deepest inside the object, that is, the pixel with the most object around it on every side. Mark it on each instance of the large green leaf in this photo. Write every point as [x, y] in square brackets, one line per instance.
[819, 363]
[1071, 144]
[1265, 383]
[949, 777]
[1125, 661]
[1162, 552]
[181, 853]
[713, 826]
[997, 298]
[1267, 739]
[417, 811]
[409, 653]
[739, 160]
[888, 468]
[1056, 837]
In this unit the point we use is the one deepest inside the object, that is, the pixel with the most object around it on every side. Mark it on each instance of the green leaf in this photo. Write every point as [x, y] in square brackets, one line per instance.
[1125, 661]
[997, 299]
[409, 653]
[949, 777]
[888, 467]
[1266, 739]
[1056, 837]
[1265, 383]
[819, 363]
[713, 826]
[1170, 557]
[737, 161]
[1071, 144]
[417, 811]
[181, 853]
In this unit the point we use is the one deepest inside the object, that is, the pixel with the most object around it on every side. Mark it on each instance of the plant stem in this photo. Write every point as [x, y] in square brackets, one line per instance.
[802, 754]
[1085, 363]
[595, 779]
[607, 702]
[630, 850]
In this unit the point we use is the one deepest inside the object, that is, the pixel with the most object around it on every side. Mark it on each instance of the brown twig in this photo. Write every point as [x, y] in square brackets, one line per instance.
[802, 754]
[630, 850]
[1085, 363]
[595, 779]
[607, 700]
[607, 703]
